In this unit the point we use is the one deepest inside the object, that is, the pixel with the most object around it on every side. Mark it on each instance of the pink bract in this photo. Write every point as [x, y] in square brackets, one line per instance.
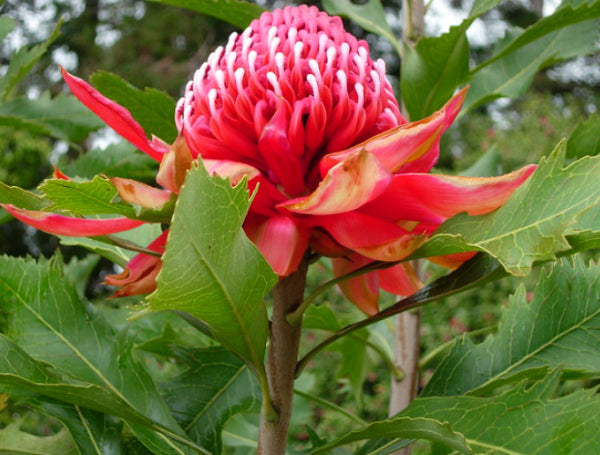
[296, 104]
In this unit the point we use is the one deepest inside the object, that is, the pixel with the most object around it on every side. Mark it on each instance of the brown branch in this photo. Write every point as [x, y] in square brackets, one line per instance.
[281, 363]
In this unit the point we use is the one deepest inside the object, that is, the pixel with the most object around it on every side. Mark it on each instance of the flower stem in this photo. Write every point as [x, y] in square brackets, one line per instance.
[281, 363]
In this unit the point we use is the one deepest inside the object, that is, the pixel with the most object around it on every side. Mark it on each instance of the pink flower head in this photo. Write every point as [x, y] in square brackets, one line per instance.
[295, 104]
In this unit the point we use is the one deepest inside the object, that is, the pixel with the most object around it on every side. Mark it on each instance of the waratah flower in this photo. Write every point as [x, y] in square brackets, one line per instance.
[296, 104]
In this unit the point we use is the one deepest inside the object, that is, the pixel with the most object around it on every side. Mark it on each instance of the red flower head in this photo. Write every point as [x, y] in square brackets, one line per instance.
[295, 104]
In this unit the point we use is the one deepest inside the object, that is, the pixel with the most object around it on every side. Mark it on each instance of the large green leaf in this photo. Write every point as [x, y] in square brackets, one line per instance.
[523, 420]
[559, 327]
[369, 15]
[63, 348]
[63, 116]
[511, 75]
[532, 225]
[236, 12]
[433, 69]
[210, 268]
[228, 388]
[22, 61]
[151, 108]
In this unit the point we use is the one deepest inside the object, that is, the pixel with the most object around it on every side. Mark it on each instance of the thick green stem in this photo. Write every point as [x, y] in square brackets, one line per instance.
[281, 362]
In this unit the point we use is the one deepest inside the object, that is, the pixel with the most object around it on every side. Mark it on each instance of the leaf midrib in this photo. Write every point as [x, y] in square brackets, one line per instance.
[532, 354]
[227, 297]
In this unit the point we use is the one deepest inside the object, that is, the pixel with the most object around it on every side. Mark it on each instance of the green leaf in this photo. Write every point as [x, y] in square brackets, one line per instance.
[563, 317]
[436, 66]
[236, 12]
[62, 117]
[404, 427]
[152, 109]
[432, 71]
[117, 160]
[15, 441]
[212, 271]
[488, 165]
[523, 420]
[172, 338]
[7, 25]
[97, 197]
[78, 271]
[481, 6]
[21, 198]
[22, 61]
[321, 317]
[93, 368]
[369, 15]
[563, 17]
[228, 388]
[585, 138]
[92, 432]
[532, 225]
[511, 75]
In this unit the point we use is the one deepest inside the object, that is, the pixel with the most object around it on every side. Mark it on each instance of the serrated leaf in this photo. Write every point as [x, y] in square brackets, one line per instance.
[210, 268]
[559, 327]
[152, 109]
[523, 420]
[585, 138]
[532, 225]
[369, 15]
[93, 368]
[564, 16]
[97, 197]
[236, 12]
[511, 75]
[94, 197]
[21, 198]
[404, 427]
[22, 61]
[228, 388]
[62, 117]
[432, 71]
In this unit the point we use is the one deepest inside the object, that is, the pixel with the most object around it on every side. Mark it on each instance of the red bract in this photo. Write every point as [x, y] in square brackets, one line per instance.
[295, 104]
